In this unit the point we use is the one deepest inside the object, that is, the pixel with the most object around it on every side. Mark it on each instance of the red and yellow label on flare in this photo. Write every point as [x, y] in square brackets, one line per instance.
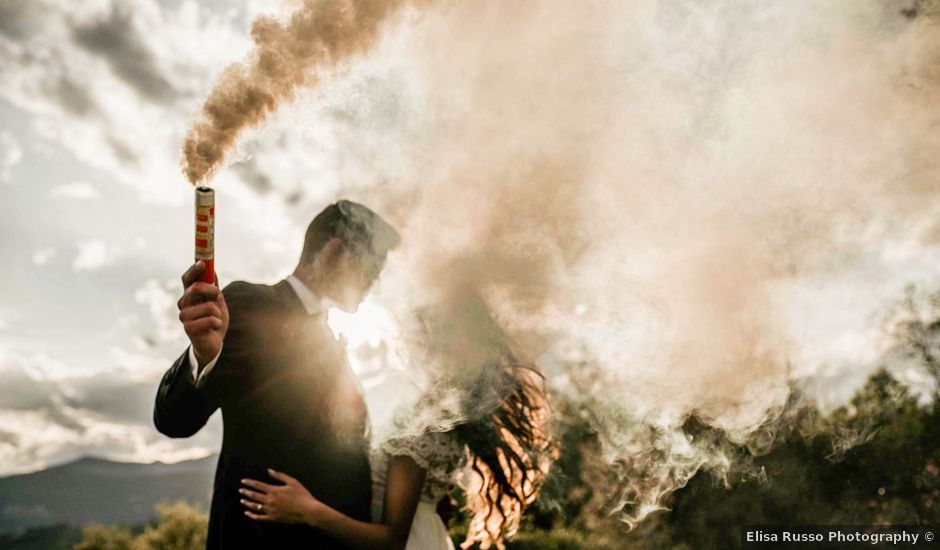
[205, 231]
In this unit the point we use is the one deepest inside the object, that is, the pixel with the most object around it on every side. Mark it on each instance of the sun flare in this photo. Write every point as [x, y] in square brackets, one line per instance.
[370, 335]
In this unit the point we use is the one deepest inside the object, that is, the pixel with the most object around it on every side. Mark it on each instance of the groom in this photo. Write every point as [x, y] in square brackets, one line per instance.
[266, 357]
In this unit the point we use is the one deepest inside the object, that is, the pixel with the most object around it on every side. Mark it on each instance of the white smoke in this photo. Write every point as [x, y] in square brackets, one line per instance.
[644, 186]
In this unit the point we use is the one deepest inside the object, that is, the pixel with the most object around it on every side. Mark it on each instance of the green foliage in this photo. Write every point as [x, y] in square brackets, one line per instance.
[874, 461]
[100, 537]
[887, 476]
[178, 527]
[550, 540]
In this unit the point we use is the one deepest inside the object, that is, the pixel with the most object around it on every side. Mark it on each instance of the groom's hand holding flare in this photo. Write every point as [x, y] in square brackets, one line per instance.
[203, 313]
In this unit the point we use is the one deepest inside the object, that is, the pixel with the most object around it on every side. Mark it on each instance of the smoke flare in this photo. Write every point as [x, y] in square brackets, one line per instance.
[319, 35]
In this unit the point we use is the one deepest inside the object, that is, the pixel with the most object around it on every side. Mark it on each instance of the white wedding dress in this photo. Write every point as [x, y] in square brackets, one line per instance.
[442, 457]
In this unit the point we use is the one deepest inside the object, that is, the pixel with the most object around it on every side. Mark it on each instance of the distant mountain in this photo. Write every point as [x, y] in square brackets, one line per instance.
[93, 490]
[54, 537]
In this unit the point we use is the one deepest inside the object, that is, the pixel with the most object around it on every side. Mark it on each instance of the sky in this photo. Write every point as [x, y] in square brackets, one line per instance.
[96, 219]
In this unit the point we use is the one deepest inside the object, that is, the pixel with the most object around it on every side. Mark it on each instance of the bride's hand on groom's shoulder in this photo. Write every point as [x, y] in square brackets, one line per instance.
[288, 503]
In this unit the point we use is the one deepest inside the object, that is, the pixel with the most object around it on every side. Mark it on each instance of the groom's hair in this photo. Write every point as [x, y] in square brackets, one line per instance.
[360, 231]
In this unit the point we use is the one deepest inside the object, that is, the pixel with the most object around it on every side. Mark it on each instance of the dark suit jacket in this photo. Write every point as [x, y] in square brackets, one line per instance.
[289, 402]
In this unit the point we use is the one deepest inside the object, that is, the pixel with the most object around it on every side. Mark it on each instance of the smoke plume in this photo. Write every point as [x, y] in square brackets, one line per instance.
[635, 186]
[642, 185]
[318, 36]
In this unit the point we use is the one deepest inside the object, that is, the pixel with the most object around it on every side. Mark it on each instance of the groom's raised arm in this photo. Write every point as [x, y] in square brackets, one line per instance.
[186, 397]
[182, 408]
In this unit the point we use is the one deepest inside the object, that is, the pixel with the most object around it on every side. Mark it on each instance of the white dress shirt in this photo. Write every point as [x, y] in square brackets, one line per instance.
[311, 302]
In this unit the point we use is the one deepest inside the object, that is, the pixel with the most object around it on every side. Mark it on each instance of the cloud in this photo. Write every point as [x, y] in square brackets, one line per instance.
[95, 254]
[116, 38]
[160, 299]
[114, 82]
[78, 190]
[10, 154]
[42, 255]
[51, 413]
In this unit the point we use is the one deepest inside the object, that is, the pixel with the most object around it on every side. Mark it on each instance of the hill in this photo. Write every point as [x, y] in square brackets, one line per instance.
[94, 490]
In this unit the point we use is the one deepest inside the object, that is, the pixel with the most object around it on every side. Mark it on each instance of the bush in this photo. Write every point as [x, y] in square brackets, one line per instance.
[100, 537]
[178, 527]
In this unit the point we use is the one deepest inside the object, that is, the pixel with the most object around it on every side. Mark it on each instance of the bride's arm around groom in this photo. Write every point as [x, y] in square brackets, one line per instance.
[293, 503]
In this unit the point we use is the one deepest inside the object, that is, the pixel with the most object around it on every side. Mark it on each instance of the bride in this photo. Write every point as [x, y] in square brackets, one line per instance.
[494, 446]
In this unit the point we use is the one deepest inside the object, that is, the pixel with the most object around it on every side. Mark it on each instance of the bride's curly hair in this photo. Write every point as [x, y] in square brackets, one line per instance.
[509, 450]
[502, 418]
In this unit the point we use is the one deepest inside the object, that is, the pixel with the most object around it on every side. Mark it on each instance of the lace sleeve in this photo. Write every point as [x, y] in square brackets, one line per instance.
[427, 450]
[436, 452]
